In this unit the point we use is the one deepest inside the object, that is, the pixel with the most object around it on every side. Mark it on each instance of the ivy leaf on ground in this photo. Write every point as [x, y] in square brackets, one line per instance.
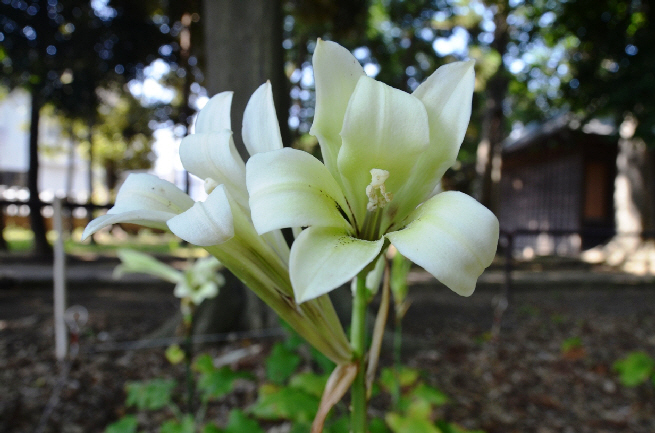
[276, 403]
[127, 424]
[217, 383]
[309, 382]
[281, 363]
[149, 395]
[187, 425]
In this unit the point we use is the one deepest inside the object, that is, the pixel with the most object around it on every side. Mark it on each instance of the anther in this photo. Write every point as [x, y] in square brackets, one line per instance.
[376, 191]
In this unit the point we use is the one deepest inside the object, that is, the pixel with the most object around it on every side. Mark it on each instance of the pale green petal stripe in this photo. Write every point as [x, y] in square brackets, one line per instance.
[336, 73]
[384, 128]
[215, 115]
[205, 223]
[291, 188]
[261, 131]
[453, 237]
[323, 259]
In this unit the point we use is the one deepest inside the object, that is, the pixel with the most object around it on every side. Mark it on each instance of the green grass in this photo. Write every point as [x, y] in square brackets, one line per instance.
[20, 240]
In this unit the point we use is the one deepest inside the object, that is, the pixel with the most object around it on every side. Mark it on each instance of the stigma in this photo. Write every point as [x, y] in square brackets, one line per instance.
[377, 194]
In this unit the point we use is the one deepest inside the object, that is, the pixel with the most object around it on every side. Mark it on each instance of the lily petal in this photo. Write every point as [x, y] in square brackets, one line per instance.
[336, 72]
[261, 130]
[213, 155]
[453, 237]
[215, 115]
[143, 217]
[323, 259]
[384, 128]
[143, 199]
[206, 223]
[447, 95]
[291, 188]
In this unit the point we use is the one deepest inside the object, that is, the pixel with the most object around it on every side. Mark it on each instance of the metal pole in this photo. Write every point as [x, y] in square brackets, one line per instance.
[59, 275]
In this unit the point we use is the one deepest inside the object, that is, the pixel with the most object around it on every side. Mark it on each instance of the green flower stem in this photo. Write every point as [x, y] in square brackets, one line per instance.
[397, 342]
[358, 343]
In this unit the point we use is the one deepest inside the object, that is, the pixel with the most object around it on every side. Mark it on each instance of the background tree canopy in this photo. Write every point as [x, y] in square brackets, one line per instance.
[534, 60]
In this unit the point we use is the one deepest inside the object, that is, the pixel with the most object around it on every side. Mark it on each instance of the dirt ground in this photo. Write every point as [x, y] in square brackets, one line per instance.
[521, 383]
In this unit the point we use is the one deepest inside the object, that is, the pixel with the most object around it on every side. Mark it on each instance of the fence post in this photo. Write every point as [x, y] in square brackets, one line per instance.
[59, 273]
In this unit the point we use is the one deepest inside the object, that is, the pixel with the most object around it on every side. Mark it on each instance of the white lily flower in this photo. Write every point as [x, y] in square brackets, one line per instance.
[385, 152]
[222, 223]
[211, 155]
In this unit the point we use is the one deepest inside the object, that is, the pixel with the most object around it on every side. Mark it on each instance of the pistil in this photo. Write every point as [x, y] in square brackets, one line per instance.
[378, 198]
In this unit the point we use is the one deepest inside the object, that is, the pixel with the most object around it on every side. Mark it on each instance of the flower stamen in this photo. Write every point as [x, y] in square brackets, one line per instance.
[376, 191]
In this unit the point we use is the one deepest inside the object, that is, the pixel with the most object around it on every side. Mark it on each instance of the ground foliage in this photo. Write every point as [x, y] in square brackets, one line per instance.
[552, 369]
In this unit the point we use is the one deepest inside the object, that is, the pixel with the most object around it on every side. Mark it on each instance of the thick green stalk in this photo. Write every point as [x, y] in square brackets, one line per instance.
[358, 343]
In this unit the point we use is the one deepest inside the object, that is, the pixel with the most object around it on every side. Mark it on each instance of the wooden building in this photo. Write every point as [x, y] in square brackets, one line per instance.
[559, 176]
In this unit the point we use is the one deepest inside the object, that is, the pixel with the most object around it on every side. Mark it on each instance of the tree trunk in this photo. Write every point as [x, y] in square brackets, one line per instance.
[41, 247]
[634, 207]
[489, 153]
[243, 43]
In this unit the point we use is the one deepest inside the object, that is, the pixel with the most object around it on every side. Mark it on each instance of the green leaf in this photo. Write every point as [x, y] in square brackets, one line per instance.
[635, 369]
[127, 424]
[281, 363]
[571, 344]
[210, 427]
[174, 354]
[447, 427]
[293, 340]
[240, 423]
[217, 383]
[187, 425]
[400, 424]
[377, 425]
[301, 427]
[275, 403]
[429, 394]
[341, 425]
[204, 364]
[309, 382]
[406, 376]
[150, 395]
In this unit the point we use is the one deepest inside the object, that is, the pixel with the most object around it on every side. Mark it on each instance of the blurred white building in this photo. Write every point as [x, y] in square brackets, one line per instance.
[61, 172]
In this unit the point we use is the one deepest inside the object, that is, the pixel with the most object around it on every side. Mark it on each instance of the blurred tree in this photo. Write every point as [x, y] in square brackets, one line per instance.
[61, 51]
[494, 124]
[243, 46]
[122, 135]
